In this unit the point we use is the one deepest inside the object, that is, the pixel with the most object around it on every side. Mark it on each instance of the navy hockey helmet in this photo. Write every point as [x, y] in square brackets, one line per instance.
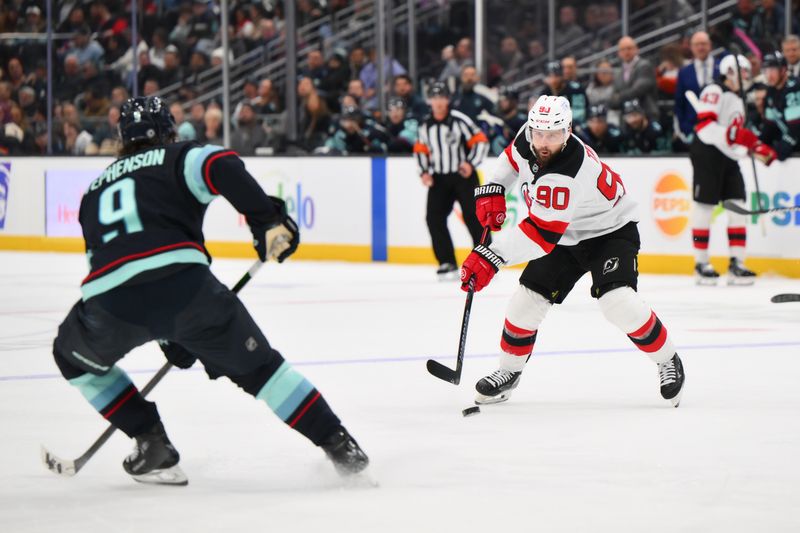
[775, 59]
[146, 118]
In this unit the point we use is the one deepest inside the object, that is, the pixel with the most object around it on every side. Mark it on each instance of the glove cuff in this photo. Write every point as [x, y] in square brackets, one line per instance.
[492, 258]
[490, 189]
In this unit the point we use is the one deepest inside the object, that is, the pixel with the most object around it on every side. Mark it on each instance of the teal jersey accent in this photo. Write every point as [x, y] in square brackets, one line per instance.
[285, 391]
[193, 172]
[127, 271]
[101, 390]
[118, 204]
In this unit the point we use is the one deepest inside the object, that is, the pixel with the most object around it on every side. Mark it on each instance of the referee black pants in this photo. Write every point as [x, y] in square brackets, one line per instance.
[446, 189]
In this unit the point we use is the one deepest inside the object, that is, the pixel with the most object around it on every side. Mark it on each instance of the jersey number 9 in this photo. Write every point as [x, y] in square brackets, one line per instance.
[118, 204]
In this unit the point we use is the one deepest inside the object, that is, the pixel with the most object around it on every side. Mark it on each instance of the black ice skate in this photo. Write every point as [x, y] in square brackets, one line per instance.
[344, 451]
[738, 274]
[705, 274]
[155, 459]
[671, 375]
[448, 272]
[496, 387]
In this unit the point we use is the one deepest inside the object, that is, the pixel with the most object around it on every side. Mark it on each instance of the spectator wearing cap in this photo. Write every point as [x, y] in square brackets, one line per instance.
[356, 133]
[640, 135]
[249, 133]
[601, 87]
[790, 47]
[701, 71]
[556, 85]
[34, 22]
[401, 128]
[598, 133]
[467, 99]
[185, 129]
[369, 77]
[513, 118]
[449, 148]
[415, 106]
[636, 79]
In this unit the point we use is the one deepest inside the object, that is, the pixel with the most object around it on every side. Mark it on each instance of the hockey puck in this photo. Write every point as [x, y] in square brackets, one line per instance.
[471, 411]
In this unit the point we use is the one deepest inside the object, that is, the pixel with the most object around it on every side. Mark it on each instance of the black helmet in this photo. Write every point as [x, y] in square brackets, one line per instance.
[439, 89]
[775, 59]
[146, 118]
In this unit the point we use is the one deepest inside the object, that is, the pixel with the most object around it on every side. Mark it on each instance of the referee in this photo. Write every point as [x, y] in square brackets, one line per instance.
[449, 148]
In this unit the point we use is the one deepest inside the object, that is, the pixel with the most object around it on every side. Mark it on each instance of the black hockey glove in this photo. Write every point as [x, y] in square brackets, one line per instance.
[279, 240]
[177, 354]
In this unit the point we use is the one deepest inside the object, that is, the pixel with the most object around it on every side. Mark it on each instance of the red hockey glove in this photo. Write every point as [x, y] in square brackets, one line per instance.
[490, 205]
[764, 153]
[738, 134]
[482, 264]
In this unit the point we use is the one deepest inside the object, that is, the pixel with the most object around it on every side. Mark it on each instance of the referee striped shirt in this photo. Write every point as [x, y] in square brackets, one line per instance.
[443, 145]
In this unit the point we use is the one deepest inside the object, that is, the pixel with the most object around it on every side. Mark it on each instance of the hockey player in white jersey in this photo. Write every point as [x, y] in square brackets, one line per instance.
[580, 220]
[721, 140]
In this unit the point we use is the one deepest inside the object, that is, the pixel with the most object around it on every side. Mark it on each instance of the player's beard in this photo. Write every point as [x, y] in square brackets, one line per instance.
[545, 155]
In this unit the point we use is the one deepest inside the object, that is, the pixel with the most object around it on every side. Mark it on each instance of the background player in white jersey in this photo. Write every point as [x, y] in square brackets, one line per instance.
[580, 220]
[722, 139]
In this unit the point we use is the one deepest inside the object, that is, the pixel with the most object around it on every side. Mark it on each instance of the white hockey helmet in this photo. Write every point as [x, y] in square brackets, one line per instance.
[549, 113]
[727, 68]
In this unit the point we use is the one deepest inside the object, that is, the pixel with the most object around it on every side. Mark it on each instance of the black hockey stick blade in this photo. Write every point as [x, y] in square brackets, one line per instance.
[784, 298]
[67, 467]
[444, 373]
[731, 205]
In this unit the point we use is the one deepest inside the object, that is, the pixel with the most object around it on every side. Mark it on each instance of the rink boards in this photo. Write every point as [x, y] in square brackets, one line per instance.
[373, 209]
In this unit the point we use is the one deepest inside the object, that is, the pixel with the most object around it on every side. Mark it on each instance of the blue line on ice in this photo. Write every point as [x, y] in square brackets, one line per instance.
[409, 358]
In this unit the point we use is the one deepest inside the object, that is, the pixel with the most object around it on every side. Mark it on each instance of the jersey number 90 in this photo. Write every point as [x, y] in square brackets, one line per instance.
[118, 204]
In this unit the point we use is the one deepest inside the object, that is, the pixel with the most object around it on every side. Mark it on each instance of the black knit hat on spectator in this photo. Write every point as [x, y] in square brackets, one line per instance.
[351, 112]
[553, 68]
[775, 59]
[509, 92]
[632, 106]
[396, 103]
[438, 89]
[598, 111]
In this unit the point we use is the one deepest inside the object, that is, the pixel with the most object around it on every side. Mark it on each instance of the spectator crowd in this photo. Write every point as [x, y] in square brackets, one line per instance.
[624, 103]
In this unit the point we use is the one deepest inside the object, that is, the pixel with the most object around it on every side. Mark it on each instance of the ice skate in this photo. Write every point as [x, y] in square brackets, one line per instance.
[738, 274]
[344, 451]
[671, 376]
[496, 387]
[705, 274]
[155, 459]
[448, 272]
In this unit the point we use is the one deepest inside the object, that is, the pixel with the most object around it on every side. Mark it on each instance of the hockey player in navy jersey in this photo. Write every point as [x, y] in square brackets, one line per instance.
[149, 279]
[580, 220]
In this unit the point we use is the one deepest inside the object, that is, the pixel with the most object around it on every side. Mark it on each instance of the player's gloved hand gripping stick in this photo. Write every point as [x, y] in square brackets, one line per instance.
[174, 352]
[438, 369]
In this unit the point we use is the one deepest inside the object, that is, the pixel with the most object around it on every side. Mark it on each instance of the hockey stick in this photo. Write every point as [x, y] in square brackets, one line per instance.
[436, 368]
[731, 205]
[784, 298]
[69, 468]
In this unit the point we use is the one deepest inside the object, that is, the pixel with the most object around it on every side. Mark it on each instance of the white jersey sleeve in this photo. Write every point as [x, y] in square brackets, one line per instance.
[717, 109]
[506, 169]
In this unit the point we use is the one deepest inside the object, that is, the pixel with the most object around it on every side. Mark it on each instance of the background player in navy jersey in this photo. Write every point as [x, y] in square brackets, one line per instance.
[149, 279]
[580, 220]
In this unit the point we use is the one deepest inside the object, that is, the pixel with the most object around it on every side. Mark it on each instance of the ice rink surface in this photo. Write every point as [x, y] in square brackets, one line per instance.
[586, 444]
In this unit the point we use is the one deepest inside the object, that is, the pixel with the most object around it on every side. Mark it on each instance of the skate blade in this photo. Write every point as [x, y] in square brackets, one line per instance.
[480, 399]
[741, 282]
[676, 400]
[167, 476]
[707, 282]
